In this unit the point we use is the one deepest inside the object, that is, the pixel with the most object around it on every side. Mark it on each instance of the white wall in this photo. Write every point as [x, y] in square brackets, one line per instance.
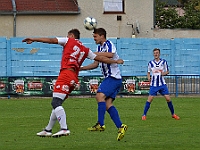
[6, 26]
[141, 10]
[51, 25]
[176, 33]
[59, 25]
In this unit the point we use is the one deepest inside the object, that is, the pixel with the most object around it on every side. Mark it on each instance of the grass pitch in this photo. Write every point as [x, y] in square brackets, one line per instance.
[21, 119]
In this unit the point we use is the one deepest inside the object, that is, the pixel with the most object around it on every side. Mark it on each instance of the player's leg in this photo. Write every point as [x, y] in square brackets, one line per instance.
[171, 107]
[152, 92]
[113, 112]
[48, 129]
[110, 92]
[58, 99]
[52, 121]
[59, 110]
[65, 83]
[114, 87]
[114, 115]
[99, 126]
[147, 106]
[164, 91]
[100, 97]
[57, 113]
[103, 91]
[169, 103]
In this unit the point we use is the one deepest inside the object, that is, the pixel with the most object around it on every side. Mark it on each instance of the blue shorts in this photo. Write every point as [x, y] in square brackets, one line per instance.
[110, 87]
[163, 90]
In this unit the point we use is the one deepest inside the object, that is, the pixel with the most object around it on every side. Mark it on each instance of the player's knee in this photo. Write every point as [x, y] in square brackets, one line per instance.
[100, 97]
[56, 102]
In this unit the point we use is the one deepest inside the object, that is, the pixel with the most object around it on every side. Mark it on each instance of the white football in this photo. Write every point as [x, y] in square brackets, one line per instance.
[90, 23]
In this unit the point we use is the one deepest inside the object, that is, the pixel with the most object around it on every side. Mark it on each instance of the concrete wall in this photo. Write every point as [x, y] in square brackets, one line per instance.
[51, 25]
[175, 33]
[6, 26]
[58, 25]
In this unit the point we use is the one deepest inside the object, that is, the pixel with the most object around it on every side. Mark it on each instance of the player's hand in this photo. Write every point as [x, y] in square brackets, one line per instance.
[81, 68]
[28, 40]
[120, 61]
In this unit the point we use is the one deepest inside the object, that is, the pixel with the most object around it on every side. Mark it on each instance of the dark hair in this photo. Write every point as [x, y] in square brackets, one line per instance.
[100, 31]
[156, 49]
[75, 32]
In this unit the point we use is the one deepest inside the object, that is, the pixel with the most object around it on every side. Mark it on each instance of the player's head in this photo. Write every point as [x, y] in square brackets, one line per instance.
[156, 53]
[74, 33]
[99, 35]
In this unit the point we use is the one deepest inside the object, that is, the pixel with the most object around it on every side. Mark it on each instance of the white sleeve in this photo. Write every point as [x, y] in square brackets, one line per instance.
[149, 68]
[97, 49]
[113, 48]
[91, 55]
[62, 40]
[166, 68]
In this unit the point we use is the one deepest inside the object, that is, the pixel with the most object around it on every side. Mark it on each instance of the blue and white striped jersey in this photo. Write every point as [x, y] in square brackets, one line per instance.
[156, 68]
[109, 69]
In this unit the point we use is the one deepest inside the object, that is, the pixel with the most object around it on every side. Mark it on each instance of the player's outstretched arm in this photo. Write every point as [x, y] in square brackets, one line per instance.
[91, 66]
[108, 60]
[106, 54]
[43, 40]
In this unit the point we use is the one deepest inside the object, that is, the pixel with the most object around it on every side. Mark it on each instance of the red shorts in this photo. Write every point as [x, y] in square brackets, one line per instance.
[66, 82]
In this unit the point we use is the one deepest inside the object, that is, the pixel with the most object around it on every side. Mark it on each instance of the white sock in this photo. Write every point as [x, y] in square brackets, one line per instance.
[61, 117]
[52, 121]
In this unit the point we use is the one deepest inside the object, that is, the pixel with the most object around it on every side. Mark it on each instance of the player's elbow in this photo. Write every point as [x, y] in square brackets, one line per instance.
[95, 64]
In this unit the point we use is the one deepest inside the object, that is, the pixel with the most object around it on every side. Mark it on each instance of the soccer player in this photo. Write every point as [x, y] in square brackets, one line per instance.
[110, 86]
[158, 69]
[74, 53]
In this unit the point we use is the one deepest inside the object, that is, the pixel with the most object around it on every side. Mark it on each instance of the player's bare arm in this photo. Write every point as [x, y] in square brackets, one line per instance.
[94, 65]
[148, 76]
[120, 61]
[108, 60]
[43, 40]
[106, 54]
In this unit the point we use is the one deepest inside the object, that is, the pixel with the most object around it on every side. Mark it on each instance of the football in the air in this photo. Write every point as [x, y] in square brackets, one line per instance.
[90, 23]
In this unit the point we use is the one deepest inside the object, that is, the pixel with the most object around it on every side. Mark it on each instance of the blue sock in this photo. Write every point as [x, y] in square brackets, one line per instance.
[101, 112]
[171, 107]
[114, 116]
[146, 108]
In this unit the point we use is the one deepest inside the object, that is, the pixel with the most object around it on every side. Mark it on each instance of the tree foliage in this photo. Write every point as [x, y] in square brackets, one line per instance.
[168, 18]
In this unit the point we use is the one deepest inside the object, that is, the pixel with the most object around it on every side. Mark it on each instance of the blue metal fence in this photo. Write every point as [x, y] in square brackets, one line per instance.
[183, 56]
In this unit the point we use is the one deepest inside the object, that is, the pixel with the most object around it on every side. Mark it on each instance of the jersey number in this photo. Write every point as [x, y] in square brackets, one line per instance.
[76, 52]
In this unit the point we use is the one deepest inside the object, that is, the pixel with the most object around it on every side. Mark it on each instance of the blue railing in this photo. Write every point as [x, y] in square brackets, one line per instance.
[183, 56]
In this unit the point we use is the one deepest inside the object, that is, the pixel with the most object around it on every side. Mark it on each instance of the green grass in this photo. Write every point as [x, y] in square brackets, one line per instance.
[21, 119]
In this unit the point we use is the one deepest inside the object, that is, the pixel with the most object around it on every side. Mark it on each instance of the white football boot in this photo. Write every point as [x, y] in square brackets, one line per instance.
[61, 133]
[44, 134]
